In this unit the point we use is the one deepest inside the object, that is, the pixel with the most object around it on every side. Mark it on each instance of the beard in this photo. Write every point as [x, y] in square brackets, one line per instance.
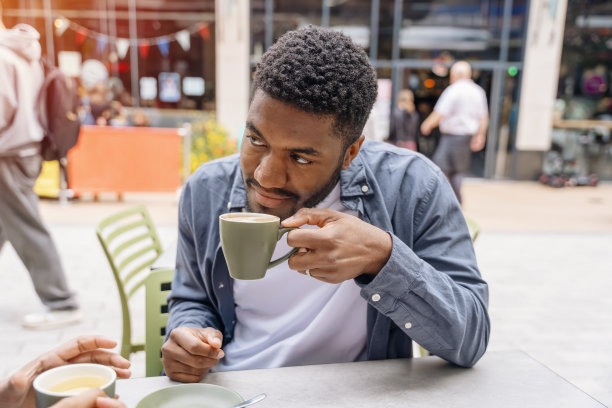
[299, 202]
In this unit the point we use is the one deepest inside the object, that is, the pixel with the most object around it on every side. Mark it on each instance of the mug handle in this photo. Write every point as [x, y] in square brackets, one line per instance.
[283, 258]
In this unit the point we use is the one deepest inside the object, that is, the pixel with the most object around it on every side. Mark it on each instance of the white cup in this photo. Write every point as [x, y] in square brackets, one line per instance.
[73, 379]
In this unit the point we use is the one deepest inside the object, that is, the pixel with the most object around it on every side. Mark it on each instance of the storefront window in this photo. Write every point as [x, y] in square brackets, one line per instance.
[290, 14]
[470, 29]
[585, 91]
[352, 17]
[174, 46]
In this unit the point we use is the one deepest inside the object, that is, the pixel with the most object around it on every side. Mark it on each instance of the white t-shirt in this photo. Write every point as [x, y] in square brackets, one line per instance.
[461, 105]
[288, 319]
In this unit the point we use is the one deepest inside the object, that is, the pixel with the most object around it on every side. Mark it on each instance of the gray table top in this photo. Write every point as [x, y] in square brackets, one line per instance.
[500, 379]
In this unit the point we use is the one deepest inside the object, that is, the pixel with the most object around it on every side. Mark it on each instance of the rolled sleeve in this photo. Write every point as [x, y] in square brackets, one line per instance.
[189, 302]
[432, 289]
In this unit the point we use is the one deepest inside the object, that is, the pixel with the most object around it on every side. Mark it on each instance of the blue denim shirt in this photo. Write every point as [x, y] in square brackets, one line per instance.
[430, 289]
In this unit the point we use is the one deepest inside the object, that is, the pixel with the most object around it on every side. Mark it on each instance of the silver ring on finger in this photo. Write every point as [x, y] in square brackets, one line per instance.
[308, 273]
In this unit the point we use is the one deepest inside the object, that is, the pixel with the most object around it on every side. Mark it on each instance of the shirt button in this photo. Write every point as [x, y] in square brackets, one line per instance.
[229, 204]
[376, 297]
[221, 286]
[364, 189]
[408, 325]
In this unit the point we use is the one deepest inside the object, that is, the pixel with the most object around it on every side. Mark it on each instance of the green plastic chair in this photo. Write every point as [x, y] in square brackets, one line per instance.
[473, 227]
[131, 245]
[157, 289]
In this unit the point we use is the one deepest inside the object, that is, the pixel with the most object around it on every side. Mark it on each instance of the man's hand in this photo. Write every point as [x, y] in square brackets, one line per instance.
[17, 392]
[343, 248]
[93, 398]
[430, 123]
[478, 142]
[190, 352]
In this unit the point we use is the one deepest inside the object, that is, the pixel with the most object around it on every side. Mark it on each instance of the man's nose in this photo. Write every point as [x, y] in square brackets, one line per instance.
[271, 172]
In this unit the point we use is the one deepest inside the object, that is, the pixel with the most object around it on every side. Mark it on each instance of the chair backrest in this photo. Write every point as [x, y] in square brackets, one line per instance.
[473, 227]
[157, 289]
[131, 245]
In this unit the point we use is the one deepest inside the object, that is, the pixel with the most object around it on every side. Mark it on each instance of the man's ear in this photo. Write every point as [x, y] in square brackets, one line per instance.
[352, 151]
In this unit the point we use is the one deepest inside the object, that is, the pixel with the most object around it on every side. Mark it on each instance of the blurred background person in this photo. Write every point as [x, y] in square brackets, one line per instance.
[140, 118]
[426, 144]
[21, 79]
[463, 117]
[404, 123]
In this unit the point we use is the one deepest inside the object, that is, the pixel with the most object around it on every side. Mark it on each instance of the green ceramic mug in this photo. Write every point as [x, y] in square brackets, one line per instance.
[248, 241]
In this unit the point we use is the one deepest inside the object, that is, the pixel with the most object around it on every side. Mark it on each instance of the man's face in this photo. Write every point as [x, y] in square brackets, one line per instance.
[289, 158]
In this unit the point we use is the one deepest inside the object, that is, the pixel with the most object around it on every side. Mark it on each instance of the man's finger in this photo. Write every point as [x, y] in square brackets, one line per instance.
[212, 337]
[197, 343]
[311, 216]
[307, 238]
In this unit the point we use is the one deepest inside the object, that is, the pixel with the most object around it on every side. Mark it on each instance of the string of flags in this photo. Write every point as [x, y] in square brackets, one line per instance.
[122, 45]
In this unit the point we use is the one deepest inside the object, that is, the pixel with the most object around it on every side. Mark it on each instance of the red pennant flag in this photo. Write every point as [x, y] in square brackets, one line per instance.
[80, 36]
[143, 47]
[204, 32]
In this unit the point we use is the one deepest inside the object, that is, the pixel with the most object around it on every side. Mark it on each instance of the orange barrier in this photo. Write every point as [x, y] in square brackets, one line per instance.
[124, 159]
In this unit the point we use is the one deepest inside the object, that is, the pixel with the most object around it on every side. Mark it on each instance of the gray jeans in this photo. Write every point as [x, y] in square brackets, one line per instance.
[453, 156]
[22, 226]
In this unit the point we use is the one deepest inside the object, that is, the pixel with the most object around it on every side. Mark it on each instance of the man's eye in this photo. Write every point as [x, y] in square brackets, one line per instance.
[300, 159]
[254, 141]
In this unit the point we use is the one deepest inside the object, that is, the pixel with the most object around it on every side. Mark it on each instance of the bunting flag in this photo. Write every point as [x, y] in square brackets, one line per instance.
[61, 25]
[204, 32]
[81, 34]
[143, 47]
[164, 46]
[184, 39]
[122, 45]
[101, 42]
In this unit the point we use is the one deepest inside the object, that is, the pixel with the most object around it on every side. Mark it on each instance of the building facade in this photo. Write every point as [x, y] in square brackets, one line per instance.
[206, 51]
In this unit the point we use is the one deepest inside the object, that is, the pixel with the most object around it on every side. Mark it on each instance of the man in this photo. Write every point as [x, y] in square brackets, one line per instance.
[404, 124]
[21, 77]
[463, 117]
[391, 260]
[17, 390]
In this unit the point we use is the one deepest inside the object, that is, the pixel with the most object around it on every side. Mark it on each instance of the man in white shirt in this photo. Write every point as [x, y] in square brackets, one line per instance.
[463, 118]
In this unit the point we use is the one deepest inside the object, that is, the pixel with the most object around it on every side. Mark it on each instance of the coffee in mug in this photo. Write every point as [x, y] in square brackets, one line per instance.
[248, 241]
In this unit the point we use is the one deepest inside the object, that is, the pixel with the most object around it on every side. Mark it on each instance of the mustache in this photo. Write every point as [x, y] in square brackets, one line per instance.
[278, 191]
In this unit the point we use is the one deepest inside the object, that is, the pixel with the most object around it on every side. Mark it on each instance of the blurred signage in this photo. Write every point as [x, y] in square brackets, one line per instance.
[193, 86]
[169, 87]
[359, 34]
[69, 63]
[148, 88]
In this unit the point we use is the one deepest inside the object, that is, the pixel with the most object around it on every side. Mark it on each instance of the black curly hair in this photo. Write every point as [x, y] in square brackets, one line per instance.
[321, 71]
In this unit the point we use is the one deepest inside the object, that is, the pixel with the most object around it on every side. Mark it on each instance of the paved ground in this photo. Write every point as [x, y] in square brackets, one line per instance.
[546, 254]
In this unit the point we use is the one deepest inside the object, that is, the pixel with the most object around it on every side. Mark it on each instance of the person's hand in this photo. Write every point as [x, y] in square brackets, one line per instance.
[190, 352]
[426, 128]
[93, 398]
[478, 142]
[17, 391]
[343, 248]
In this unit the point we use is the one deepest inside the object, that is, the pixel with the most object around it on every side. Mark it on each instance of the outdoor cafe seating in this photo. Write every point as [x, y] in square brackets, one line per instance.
[501, 379]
